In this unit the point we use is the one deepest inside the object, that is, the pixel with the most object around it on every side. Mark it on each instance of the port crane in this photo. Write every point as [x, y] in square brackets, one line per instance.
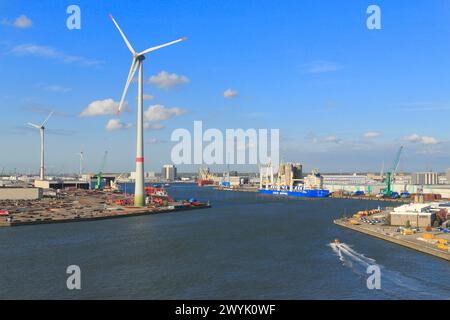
[388, 193]
[98, 185]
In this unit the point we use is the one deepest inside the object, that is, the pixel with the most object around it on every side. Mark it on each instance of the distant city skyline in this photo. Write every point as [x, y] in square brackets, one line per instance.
[343, 97]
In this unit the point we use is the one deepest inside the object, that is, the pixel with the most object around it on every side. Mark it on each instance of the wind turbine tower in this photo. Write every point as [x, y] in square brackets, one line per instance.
[41, 129]
[81, 154]
[137, 63]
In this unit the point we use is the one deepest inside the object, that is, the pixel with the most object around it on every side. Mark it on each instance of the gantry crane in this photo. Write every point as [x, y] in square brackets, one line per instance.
[388, 193]
[98, 185]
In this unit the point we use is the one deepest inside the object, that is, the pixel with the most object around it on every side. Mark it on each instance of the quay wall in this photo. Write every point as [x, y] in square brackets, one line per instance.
[402, 242]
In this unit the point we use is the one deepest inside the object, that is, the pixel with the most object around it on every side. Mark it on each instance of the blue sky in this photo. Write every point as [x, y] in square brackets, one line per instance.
[344, 97]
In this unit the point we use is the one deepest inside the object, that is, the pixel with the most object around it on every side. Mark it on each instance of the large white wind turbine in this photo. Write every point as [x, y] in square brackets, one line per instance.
[138, 58]
[41, 129]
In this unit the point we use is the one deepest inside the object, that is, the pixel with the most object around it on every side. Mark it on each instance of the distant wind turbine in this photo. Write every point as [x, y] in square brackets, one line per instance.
[41, 129]
[138, 58]
[81, 155]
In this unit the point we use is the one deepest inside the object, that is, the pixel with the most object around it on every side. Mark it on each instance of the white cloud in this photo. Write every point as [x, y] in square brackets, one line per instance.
[153, 126]
[148, 97]
[429, 140]
[164, 80]
[372, 134]
[101, 108]
[50, 53]
[21, 22]
[116, 124]
[320, 140]
[415, 138]
[159, 112]
[332, 139]
[321, 66]
[230, 93]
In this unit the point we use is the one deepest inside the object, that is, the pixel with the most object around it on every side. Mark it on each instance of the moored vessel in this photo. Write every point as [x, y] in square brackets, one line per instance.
[289, 182]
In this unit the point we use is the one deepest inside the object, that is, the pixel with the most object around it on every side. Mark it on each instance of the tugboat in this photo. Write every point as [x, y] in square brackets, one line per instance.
[158, 195]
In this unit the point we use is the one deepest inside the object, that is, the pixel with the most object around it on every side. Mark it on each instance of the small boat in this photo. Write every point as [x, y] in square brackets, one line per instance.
[336, 241]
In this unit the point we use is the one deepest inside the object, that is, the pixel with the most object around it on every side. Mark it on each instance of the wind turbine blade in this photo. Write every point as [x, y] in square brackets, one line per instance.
[48, 117]
[34, 125]
[127, 84]
[123, 35]
[161, 46]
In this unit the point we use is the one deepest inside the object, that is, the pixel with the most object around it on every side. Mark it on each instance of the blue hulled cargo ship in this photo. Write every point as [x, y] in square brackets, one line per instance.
[289, 182]
[297, 193]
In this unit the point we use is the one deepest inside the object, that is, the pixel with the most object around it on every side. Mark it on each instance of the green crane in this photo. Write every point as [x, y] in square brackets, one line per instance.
[390, 174]
[98, 185]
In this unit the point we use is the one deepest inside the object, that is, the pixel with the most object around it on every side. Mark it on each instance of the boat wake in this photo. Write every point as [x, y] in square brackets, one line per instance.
[393, 283]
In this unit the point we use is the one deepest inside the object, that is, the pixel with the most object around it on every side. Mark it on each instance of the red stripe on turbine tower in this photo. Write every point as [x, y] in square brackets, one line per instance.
[140, 159]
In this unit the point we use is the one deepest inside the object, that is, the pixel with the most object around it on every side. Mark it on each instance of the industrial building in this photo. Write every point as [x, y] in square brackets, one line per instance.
[425, 178]
[149, 175]
[416, 214]
[402, 179]
[289, 174]
[348, 179]
[61, 184]
[368, 188]
[447, 176]
[169, 172]
[12, 193]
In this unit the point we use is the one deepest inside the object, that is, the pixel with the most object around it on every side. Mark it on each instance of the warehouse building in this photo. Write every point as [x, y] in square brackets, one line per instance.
[347, 179]
[11, 193]
[417, 214]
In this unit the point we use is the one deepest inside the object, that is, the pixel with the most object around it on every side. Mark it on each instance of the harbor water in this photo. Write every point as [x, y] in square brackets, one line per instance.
[247, 246]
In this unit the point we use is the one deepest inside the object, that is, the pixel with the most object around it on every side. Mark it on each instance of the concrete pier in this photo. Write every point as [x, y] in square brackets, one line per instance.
[388, 233]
